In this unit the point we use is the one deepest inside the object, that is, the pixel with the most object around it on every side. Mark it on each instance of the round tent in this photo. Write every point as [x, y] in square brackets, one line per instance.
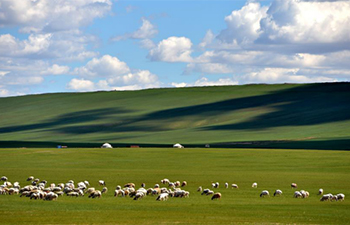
[106, 145]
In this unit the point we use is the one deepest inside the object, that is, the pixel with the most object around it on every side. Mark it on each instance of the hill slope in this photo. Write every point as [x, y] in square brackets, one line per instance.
[285, 115]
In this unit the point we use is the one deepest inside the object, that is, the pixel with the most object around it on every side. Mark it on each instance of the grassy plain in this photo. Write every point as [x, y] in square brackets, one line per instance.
[271, 169]
[310, 116]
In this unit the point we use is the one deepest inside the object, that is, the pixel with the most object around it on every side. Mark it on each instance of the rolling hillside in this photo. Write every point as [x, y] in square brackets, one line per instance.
[312, 116]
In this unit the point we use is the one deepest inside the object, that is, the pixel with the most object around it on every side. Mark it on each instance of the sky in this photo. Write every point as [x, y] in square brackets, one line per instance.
[89, 45]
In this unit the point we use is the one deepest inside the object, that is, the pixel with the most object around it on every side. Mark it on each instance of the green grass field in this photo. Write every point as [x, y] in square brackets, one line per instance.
[304, 116]
[271, 169]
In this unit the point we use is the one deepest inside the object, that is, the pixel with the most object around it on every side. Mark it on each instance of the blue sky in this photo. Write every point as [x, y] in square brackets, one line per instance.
[89, 45]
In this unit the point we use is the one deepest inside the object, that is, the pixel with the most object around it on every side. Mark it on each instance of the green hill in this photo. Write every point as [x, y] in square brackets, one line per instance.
[312, 116]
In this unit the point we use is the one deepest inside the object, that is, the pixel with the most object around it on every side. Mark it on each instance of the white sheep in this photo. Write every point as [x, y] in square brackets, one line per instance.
[340, 197]
[163, 197]
[95, 194]
[320, 191]
[278, 192]
[234, 186]
[102, 183]
[104, 190]
[216, 196]
[255, 185]
[3, 178]
[165, 181]
[264, 193]
[226, 185]
[294, 185]
[30, 178]
[297, 194]
[199, 189]
[326, 197]
[305, 194]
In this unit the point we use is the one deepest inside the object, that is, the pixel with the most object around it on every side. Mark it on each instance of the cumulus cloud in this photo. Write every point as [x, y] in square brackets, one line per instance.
[51, 16]
[105, 66]
[172, 49]
[206, 82]
[146, 31]
[109, 73]
[56, 70]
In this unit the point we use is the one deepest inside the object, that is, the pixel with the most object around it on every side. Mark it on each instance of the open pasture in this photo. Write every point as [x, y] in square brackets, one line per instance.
[271, 169]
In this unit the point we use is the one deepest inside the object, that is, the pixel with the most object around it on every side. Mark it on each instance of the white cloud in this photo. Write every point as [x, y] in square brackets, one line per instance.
[56, 70]
[172, 49]
[207, 40]
[51, 16]
[112, 74]
[147, 44]
[3, 92]
[81, 85]
[208, 68]
[206, 82]
[146, 31]
[106, 66]
[243, 26]
[280, 75]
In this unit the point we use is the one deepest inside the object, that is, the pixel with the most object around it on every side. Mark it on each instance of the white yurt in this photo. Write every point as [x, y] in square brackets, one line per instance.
[106, 145]
[177, 145]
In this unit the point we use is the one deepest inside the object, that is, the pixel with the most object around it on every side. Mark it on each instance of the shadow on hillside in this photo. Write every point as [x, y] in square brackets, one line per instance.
[68, 119]
[303, 105]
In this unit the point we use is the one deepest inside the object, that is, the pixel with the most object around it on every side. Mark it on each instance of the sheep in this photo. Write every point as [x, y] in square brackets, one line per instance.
[8, 184]
[56, 189]
[82, 185]
[199, 189]
[210, 192]
[16, 185]
[30, 178]
[119, 192]
[73, 194]
[143, 185]
[156, 186]
[305, 194]
[340, 197]
[95, 194]
[297, 194]
[265, 193]
[36, 180]
[326, 197]
[278, 192]
[180, 193]
[177, 184]
[102, 183]
[184, 183]
[171, 184]
[320, 191]
[86, 183]
[104, 190]
[90, 190]
[51, 197]
[215, 185]
[13, 191]
[205, 191]
[294, 185]
[3, 178]
[130, 185]
[163, 197]
[226, 185]
[234, 186]
[255, 185]
[216, 196]
[139, 195]
[165, 181]
[24, 193]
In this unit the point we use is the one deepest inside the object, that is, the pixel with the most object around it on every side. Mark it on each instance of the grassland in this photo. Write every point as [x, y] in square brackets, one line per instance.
[313, 116]
[271, 169]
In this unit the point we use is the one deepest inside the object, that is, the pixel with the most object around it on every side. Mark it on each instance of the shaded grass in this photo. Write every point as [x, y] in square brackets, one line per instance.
[271, 169]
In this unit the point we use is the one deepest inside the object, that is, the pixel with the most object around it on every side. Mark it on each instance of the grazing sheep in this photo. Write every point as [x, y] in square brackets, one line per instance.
[87, 183]
[16, 185]
[139, 195]
[326, 197]
[95, 194]
[215, 185]
[305, 194]
[143, 185]
[36, 180]
[320, 191]
[104, 190]
[199, 189]
[205, 191]
[102, 183]
[163, 197]
[226, 185]
[184, 183]
[3, 178]
[130, 185]
[51, 197]
[254, 185]
[294, 185]
[165, 181]
[177, 184]
[278, 192]
[234, 186]
[156, 186]
[73, 194]
[297, 194]
[216, 196]
[90, 190]
[30, 178]
[265, 193]
[340, 197]
[171, 185]
[119, 192]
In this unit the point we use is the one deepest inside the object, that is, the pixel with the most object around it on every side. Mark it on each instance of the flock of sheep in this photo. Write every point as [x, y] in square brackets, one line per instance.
[39, 189]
